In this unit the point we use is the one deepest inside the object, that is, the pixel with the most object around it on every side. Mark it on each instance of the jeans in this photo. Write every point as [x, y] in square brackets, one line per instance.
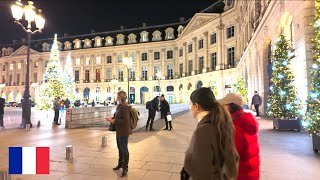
[56, 116]
[151, 116]
[122, 144]
[256, 106]
[1, 120]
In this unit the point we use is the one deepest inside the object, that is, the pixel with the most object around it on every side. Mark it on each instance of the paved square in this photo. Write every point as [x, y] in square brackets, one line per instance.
[155, 155]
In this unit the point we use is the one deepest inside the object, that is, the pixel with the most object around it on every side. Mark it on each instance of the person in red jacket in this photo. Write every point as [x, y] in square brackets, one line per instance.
[246, 137]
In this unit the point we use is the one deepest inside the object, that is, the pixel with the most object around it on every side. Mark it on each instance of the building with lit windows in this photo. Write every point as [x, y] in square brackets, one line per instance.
[213, 49]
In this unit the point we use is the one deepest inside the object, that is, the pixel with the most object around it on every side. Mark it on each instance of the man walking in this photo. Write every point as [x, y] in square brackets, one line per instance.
[256, 101]
[2, 101]
[165, 110]
[56, 108]
[153, 107]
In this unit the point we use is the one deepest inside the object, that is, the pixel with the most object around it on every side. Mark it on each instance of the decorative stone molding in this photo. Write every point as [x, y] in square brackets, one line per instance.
[144, 36]
[120, 39]
[67, 45]
[109, 41]
[180, 30]
[77, 44]
[156, 36]
[132, 38]
[169, 33]
[45, 46]
[87, 43]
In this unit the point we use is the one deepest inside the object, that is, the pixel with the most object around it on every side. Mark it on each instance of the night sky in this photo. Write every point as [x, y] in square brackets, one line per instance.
[80, 17]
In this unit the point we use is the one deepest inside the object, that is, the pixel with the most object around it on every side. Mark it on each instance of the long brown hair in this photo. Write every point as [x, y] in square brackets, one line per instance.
[224, 134]
[123, 98]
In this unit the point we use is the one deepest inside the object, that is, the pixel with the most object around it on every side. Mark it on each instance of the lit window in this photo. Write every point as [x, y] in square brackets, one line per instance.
[78, 44]
[109, 41]
[98, 60]
[88, 43]
[98, 42]
[19, 65]
[11, 66]
[144, 73]
[77, 61]
[87, 61]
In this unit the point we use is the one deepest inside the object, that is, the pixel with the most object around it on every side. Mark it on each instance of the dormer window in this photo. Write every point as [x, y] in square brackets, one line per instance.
[59, 46]
[109, 41]
[132, 38]
[67, 45]
[97, 41]
[45, 47]
[169, 33]
[77, 44]
[144, 36]
[156, 36]
[120, 39]
[180, 29]
[87, 43]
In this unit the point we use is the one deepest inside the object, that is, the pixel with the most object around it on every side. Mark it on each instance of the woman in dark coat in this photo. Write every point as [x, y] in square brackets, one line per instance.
[211, 154]
[121, 120]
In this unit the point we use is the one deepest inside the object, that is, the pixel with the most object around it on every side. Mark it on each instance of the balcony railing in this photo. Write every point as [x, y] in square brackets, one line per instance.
[86, 81]
[144, 78]
[77, 81]
[107, 80]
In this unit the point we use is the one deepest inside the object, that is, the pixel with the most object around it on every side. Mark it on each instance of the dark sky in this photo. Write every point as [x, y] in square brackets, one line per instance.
[79, 17]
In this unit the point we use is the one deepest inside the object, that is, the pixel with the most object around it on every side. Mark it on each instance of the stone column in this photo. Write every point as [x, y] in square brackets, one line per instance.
[175, 62]
[114, 66]
[195, 56]
[163, 63]
[206, 54]
[138, 67]
[82, 72]
[151, 65]
[103, 68]
[185, 62]
[92, 69]
[220, 55]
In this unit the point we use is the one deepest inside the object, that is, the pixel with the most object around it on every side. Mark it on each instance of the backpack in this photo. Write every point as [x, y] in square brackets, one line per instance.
[148, 105]
[134, 117]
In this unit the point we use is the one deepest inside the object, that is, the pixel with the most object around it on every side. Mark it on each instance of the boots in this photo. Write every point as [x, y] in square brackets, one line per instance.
[125, 166]
[120, 163]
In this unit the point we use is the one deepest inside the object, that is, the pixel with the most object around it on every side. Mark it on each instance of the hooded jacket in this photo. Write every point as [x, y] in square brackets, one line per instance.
[246, 140]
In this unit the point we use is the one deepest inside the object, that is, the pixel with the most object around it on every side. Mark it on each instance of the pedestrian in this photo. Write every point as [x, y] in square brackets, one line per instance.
[67, 103]
[165, 110]
[56, 108]
[256, 101]
[246, 137]
[154, 106]
[2, 101]
[121, 119]
[211, 153]
[93, 103]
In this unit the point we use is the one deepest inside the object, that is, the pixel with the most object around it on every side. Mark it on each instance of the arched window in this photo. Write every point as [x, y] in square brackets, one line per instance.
[144, 36]
[199, 85]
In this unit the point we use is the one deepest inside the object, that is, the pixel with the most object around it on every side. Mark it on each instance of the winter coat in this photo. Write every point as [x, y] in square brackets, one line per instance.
[256, 100]
[165, 107]
[122, 121]
[246, 140]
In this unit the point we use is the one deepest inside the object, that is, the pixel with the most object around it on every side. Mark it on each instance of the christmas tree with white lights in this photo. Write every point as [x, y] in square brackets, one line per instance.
[313, 101]
[52, 86]
[282, 101]
[68, 81]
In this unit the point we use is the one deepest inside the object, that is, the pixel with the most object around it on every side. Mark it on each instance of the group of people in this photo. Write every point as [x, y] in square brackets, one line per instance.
[164, 110]
[224, 144]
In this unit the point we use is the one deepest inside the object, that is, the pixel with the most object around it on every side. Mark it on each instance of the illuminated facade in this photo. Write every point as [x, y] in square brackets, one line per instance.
[209, 50]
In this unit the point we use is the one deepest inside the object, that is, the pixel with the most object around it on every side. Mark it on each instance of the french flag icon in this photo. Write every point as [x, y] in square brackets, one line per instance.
[29, 160]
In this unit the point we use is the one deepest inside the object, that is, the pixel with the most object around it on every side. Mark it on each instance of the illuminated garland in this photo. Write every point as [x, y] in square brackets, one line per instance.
[313, 104]
[241, 88]
[68, 81]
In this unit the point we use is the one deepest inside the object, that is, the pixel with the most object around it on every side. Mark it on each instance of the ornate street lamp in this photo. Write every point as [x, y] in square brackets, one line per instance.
[159, 76]
[128, 62]
[114, 82]
[30, 15]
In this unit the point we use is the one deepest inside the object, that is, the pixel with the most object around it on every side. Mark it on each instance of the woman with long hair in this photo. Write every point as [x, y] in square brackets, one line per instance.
[211, 153]
[121, 120]
[246, 137]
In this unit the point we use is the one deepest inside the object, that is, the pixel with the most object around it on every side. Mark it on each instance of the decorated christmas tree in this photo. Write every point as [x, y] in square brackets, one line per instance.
[52, 86]
[68, 81]
[313, 101]
[282, 102]
[240, 88]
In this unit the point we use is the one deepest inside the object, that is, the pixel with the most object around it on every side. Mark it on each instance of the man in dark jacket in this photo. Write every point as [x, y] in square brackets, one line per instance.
[152, 112]
[67, 103]
[256, 101]
[165, 110]
[56, 108]
[2, 101]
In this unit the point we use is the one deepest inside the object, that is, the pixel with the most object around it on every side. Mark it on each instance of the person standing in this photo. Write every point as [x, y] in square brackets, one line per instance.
[246, 137]
[121, 120]
[152, 112]
[2, 101]
[67, 103]
[56, 108]
[256, 101]
[165, 110]
[211, 153]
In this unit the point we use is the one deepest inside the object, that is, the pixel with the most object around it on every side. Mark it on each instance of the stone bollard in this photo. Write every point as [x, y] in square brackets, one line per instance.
[69, 152]
[104, 141]
[38, 125]
[4, 175]
[27, 127]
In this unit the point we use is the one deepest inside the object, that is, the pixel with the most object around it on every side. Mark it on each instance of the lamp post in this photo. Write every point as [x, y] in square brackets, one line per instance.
[159, 76]
[128, 62]
[30, 15]
[114, 82]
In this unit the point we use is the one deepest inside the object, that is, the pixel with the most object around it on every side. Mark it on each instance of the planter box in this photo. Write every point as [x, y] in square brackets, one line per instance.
[316, 142]
[282, 124]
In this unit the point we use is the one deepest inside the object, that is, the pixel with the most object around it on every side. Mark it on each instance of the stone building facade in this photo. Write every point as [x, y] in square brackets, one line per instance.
[209, 50]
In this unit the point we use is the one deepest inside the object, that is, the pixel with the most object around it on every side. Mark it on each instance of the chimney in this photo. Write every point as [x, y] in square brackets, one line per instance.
[144, 24]
[182, 19]
[65, 35]
[92, 31]
[122, 27]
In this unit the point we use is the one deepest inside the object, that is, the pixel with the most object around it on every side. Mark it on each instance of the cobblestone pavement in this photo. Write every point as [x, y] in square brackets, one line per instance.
[285, 155]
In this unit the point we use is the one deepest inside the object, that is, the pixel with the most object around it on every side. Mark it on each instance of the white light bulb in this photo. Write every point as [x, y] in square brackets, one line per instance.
[314, 66]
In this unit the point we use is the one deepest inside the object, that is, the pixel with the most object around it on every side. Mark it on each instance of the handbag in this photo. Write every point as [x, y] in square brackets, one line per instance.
[112, 127]
[169, 117]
